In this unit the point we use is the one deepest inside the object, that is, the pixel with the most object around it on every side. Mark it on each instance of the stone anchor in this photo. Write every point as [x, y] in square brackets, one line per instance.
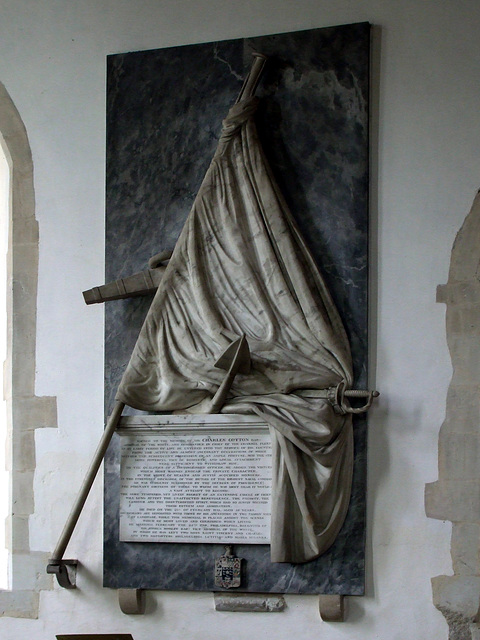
[235, 359]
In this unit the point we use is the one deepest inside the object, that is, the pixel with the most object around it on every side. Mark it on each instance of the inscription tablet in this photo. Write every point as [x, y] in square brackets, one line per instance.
[199, 487]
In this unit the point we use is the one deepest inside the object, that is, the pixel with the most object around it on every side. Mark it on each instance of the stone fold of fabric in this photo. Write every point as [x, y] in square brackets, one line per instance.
[241, 266]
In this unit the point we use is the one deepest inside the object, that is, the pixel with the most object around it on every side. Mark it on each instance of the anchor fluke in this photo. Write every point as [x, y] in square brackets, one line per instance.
[235, 359]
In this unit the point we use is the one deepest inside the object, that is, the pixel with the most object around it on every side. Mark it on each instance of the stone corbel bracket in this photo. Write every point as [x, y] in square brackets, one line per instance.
[132, 601]
[65, 571]
[332, 608]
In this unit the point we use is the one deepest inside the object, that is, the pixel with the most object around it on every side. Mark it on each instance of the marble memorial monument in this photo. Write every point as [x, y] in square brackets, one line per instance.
[241, 266]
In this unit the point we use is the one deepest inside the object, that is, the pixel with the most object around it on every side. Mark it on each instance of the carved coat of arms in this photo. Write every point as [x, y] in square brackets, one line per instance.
[228, 570]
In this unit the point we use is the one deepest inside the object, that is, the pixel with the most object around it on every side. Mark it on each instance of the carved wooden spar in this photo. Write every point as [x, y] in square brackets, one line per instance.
[143, 283]
[241, 268]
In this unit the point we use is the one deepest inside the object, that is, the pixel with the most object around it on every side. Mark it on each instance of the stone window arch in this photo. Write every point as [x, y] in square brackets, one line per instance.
[26, 411]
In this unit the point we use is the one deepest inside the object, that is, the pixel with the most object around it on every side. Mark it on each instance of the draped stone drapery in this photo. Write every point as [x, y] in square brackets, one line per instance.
[241, 266]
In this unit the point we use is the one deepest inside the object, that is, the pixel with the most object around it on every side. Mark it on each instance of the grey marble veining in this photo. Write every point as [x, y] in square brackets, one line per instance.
[313, 122]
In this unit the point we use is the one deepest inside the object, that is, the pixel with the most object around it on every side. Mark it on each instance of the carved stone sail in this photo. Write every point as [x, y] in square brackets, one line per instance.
[239, 267]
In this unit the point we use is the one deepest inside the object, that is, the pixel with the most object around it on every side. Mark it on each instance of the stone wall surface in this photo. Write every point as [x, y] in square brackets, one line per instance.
[456, 495]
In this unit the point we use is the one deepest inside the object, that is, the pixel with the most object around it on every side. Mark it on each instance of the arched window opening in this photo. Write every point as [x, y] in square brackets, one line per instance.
[4, 386]
[21, 411]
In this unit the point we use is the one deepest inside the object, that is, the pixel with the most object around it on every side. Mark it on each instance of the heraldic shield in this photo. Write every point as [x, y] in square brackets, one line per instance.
[228, 570]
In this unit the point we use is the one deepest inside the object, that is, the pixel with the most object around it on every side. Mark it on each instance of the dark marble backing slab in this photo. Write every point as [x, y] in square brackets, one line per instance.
[164, 114]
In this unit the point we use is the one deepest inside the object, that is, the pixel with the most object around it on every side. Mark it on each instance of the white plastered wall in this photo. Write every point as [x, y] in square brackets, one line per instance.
[425, 172]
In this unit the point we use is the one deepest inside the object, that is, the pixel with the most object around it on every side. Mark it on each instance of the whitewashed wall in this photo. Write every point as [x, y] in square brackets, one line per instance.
[425, 172]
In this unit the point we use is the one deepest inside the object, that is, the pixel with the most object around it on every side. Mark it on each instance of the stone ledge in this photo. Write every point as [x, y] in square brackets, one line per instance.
[19, 604]
[459, 293]
[459, 594]
[458, 456]
[23, 451]
[253, 602]
[32, 412]
[30, 571]
[25, 231]
[466, 548]
[454, 500]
